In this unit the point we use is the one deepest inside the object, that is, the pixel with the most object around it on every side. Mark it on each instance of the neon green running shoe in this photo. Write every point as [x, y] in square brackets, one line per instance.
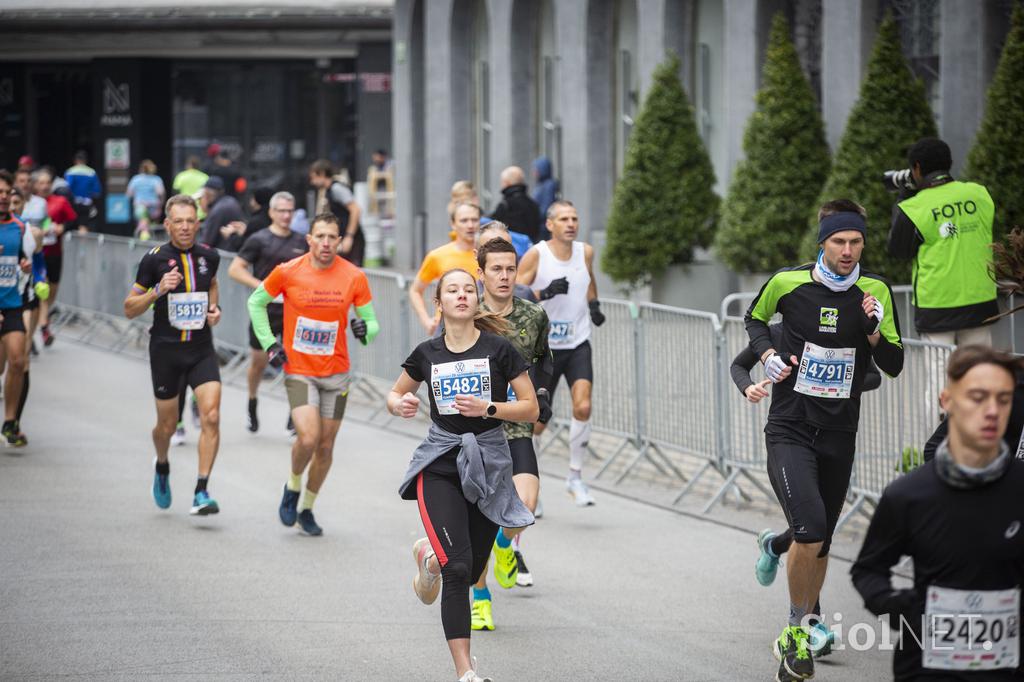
[482, 618]
[506, 568]
[793, 653]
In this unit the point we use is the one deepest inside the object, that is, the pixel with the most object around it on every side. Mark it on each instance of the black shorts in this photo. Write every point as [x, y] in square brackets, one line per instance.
[14, 321]
[29, 303]
[276, 314]
[174, 364]
[810, 471]
[574, 364]
[53, 265]
[524, 458]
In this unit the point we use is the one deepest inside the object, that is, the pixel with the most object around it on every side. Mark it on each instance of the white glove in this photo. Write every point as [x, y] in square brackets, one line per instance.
[879, 315]
[773, 368]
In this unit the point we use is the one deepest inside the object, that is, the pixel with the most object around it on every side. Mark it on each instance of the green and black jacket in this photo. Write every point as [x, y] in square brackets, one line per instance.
[830, 319]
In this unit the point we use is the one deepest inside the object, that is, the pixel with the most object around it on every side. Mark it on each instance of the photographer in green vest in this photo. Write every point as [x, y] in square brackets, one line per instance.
[946, 226]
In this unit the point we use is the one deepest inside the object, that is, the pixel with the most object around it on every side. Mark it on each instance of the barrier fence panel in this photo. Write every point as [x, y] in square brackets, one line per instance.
[679, 403]
[744, 443]
[383, 358]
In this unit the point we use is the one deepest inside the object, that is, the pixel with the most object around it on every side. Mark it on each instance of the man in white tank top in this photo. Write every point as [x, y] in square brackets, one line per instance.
[561, 273]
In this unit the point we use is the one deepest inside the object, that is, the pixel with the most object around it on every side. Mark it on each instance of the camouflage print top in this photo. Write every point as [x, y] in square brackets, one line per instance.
[528, 334]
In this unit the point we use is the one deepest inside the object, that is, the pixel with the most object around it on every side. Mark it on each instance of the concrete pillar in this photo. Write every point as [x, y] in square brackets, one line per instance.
[963, 74]
[651, 31]
[571, 26]
[848, 30]
[506, 113]
[741, 65]
[403, 136]
[447, 153]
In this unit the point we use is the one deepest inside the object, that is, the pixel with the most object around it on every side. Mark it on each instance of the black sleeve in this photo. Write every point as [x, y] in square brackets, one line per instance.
[500, 212]
[933, 442]
[883, 546]
[872, 377]
[904, 239]
[416, 365]
[758, 331]
[740, 369]
[147, 275]
[543, 366]
[510, 361]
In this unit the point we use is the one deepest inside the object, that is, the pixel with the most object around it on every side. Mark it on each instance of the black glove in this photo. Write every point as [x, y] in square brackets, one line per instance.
[557, 286]
[596, 316]
[276, 356]
[544, 401]
[359, 329]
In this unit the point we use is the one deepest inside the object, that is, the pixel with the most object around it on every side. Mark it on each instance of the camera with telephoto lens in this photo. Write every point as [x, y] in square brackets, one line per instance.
[898, 180]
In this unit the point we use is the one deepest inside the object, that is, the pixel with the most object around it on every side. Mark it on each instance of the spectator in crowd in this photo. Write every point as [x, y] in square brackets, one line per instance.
[545, 192]
[382, 162]
[146, 190]
[190, 180]
[945, 226]
[516, 209]
[225, 223]
[23, 183]
[85, 190]
[259, 212]
[26, 163]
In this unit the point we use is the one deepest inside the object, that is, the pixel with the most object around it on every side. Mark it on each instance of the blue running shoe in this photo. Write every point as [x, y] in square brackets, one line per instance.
[289, 508]
[767, 565]
[308, 523]
[161, 490]
[820, 640]
[203, 504]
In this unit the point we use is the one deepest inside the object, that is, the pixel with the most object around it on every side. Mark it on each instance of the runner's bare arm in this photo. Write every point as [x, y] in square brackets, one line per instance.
[527, 270]
[402, 400]
[588, 255]
[419, 307]
[239, 271]
[213, 311]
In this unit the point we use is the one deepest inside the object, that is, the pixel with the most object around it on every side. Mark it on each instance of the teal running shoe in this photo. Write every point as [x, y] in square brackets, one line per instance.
[767, 565]
[203, 504]
[820, 640]
[161, 490]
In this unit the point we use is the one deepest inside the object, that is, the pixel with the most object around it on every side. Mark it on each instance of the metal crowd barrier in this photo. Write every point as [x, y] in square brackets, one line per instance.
[662, 390]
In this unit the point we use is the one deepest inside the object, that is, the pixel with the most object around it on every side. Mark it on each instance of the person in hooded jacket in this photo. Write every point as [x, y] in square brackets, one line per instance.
[546, 191]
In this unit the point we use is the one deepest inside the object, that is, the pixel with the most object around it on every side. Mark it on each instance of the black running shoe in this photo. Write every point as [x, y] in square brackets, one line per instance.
[290, 428]
[254, 421]
[308, 523]
[523, 577]
[794, 654]
[15, 439]
[288, 511]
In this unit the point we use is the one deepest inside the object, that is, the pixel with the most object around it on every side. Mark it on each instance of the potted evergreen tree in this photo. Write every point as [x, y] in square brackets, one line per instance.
[787, 160]
[995, 159]
[664, 205]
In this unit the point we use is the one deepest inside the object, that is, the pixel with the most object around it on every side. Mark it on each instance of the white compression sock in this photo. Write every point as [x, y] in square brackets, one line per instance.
[579, 436]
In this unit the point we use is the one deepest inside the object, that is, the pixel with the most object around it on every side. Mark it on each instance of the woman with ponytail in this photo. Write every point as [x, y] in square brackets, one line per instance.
[461, 475]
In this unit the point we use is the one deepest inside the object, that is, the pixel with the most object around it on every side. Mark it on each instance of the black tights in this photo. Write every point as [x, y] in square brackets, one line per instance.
[461, 537]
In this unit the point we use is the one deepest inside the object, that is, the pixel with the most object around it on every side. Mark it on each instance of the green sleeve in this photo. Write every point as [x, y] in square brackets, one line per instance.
[365, 313]
[258, 302]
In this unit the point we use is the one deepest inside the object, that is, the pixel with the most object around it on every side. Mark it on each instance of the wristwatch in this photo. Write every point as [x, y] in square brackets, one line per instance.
[492, 409]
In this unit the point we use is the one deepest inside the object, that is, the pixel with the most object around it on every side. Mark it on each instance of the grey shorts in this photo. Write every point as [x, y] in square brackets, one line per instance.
[330, 393]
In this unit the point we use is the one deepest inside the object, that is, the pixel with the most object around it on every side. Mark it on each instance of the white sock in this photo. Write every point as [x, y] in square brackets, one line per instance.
[579, 436]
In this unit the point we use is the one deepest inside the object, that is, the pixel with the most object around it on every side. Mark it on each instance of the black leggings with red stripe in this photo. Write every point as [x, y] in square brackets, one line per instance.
[461, 537]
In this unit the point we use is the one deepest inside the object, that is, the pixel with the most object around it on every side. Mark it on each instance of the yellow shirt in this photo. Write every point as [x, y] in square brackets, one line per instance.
[445, 258]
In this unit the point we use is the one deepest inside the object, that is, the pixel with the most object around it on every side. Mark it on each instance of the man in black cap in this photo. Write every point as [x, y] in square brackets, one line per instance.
[225, 223]
[835, 318]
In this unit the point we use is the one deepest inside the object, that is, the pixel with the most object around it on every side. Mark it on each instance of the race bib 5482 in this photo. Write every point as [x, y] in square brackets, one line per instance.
[463, 377]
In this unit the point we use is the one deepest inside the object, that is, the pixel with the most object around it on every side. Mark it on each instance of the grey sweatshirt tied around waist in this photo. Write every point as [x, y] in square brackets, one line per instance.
[485, 470]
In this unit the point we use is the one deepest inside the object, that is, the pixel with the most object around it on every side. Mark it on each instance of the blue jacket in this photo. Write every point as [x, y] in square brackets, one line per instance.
[547, 189]
[83, 182]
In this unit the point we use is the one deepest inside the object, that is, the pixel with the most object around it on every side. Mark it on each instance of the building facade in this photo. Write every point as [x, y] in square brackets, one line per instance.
[483, 84]
[275, 87]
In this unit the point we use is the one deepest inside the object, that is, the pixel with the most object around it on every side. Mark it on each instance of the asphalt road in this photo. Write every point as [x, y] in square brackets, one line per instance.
[97, 583]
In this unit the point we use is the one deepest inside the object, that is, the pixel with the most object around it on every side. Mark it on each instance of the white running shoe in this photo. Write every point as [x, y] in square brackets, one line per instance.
[579, 492]
[179, 435]
[523, 576]
[425, 584]
[471, 676]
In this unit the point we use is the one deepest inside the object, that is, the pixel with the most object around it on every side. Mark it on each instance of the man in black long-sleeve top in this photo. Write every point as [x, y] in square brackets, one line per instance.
[835, 319]
[959, 517]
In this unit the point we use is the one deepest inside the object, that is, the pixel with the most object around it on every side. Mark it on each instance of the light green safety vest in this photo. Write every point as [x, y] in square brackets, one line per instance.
[952, 265]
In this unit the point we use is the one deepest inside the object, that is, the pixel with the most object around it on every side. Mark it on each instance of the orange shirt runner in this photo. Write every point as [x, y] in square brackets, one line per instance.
[316, 304]
[445, 258]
